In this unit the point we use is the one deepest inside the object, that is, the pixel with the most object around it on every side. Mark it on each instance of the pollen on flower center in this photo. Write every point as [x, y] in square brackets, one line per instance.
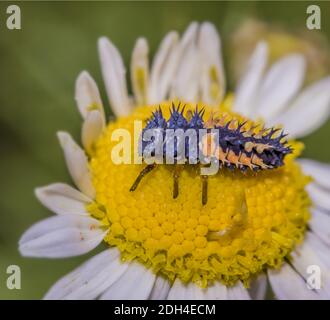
[250, 222]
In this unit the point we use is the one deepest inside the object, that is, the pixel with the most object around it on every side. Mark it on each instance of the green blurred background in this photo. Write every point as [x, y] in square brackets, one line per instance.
[38, 67]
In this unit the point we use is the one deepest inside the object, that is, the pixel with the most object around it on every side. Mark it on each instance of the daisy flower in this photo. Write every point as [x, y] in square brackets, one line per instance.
[256, 229]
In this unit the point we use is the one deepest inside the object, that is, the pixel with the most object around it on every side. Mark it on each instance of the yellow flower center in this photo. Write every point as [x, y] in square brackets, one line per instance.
[250, 222]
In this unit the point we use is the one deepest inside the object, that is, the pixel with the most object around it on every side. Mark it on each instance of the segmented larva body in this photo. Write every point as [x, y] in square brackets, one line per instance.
[241, 149]
[218, 139]
[232, 145]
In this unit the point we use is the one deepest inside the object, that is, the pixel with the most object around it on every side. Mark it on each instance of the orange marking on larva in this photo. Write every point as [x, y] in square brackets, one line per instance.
[211, 122]
[244, 159]
[226, 155]
[220, 155]
[258, 161]
[247, 134]
[232, 157]
[248, 146]
[261, 147]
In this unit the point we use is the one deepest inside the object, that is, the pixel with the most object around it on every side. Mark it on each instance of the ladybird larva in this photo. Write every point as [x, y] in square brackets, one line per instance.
[217, 139]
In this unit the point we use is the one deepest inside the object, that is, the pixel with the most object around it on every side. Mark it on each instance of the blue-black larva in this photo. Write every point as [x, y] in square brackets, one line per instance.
[235, 148]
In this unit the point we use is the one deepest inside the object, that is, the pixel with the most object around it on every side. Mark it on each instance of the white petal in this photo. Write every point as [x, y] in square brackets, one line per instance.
[113, 71]
[319, 196]
[238, 292]
[287, 284]
[92, 128]
[185, 84]
[309, 111]
[307, 255]
[247, 89]
[213, 76]
[77, 164]
[61, 236]
[189, 36]
[216, 292]
[319, 247]
[181, 291]
[140, 71]
[63, 199]
[319, 171]
[163, 68]
[87, 95]
[190, 291]
[280, 84]
[91, 279]
[136, 283]
[258, 288]
[160, 289]
[320, 224]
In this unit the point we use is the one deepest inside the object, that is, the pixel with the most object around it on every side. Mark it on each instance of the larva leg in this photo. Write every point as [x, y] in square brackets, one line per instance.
[176, 175]
[145, 171]
[204, 189]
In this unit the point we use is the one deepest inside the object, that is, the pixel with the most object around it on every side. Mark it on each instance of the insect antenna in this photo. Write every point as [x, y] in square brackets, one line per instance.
[143, 172]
